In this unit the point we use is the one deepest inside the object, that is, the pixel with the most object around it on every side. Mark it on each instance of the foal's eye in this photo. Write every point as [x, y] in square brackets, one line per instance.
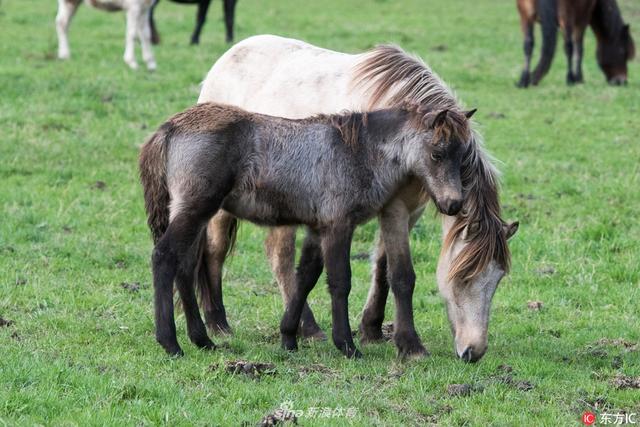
[436, 157]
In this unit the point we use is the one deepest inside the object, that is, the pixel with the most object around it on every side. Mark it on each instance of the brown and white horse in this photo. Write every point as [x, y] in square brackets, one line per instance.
[289, 78]
[137, 26]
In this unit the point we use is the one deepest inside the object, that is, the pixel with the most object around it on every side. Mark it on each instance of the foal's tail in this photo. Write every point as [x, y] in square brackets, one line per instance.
[153, 174]
[548, 13]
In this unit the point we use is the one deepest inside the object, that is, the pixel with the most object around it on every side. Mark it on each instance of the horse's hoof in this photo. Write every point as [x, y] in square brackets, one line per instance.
[416, 353]
[221, 328]
[313, 334]
[152, 66]
[133, 65]
[204, 343]
[289, 343]
[370, 335]
[353, 353]
[64, 55]
[175, 352]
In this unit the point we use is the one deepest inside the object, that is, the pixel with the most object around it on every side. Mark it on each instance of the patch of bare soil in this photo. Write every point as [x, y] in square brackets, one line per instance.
[459, 390]
[6, 322]
[253, 370]
[278, 417]
[623, 382]
[617, 342]
[131, 287]
[316, 368]
[535, 305]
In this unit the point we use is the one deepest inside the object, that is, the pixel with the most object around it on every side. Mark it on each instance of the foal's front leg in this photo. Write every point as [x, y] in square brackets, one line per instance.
[402, 278]
[144, 34]
[309, 270]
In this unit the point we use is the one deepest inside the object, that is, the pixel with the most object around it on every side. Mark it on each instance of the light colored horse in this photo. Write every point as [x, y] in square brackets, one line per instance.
[137, 26]
[289, 78]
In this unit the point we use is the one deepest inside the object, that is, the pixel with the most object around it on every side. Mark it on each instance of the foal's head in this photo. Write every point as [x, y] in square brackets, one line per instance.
[613, 55]
[440, 139]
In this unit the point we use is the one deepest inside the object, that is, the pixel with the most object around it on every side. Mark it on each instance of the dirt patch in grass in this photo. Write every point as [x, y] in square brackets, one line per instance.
[317, 368]
[534, 305]
[253, 370]
[131, 287]
[6, 322]
[617, 342]
[624, 382]
[460, 390]
[278, 418]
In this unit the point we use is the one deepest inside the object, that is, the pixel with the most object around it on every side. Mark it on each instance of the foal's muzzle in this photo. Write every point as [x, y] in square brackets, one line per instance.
[618, 80]
[450, 206]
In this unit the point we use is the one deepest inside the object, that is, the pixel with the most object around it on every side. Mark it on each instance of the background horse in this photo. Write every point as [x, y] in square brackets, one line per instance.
[329, 173]
[258, 74]
[615, 45]
[229, 7]
[137, 25]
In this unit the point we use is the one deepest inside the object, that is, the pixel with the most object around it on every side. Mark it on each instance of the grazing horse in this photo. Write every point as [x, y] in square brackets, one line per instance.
[615, 45]
[137, 26]
[290, 78]
[329, 173]
[201, 16]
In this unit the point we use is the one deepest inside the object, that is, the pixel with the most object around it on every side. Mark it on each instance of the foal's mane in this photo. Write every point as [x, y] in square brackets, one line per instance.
[394, 78]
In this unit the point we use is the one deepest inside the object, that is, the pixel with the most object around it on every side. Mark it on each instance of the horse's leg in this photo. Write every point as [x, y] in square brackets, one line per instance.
[309, 270]
[401, 277]
[336, 245]
[280, 246]
[568, 50]
[155, 36]
[527, 31]
[229, 12]
[133, 14]
[66, 10]
[184, 282]
[144, 34]
[373, 314]
[578, 50]
[201, 17]
[219, 239]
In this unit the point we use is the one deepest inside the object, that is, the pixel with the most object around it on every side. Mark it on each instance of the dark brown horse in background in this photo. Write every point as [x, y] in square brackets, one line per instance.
[615, 45]
[201, 17]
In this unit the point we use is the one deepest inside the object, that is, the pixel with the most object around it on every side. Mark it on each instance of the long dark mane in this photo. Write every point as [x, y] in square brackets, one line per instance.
[394, 78]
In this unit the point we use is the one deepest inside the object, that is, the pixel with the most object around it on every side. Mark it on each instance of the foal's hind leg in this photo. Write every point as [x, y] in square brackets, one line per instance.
[280, 246]
[229, 12]
[203, 8]
[66, 10]
[219, 240]
[309, 270]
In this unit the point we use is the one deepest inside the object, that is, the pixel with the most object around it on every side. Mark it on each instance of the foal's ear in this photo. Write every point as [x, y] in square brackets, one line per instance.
[435, 119]
[510, 229]
[470, 113]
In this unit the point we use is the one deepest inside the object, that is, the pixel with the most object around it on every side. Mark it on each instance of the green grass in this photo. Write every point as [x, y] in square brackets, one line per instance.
[82, 348]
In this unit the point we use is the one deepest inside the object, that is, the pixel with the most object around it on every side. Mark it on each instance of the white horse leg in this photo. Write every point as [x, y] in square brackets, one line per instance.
[144, 34]
[66, 9]
[132, 22]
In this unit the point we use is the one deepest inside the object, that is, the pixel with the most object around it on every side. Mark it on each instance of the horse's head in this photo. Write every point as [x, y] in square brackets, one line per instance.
[441, 142]
[470, 268]
[613, 55]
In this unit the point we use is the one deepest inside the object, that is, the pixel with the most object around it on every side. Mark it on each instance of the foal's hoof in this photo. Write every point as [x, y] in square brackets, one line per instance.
[221, 328]
[204, 343]
[524, 81]
[289, 343]
[415, 353]
[370, 335]
[175, 352]
[353, 353]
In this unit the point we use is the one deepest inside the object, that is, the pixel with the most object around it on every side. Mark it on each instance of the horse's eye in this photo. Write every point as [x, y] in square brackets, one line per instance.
[436, 157]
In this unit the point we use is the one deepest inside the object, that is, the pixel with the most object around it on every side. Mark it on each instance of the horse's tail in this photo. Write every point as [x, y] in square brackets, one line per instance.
[155, 37]
[548, 15]
[153, 174]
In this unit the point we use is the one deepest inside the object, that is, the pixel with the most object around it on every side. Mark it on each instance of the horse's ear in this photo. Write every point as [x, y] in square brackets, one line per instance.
[470, 113]
[510, 229]
[435, 119]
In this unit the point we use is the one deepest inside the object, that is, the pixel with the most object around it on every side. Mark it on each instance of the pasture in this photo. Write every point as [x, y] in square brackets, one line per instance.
[77, 343]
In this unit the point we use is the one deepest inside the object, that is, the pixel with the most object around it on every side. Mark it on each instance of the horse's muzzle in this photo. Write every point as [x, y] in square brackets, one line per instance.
[450, 206]
[472, 354]
[618, 80]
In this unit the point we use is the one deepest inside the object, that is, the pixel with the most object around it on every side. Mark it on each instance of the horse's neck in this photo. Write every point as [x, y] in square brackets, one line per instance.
[606, 19]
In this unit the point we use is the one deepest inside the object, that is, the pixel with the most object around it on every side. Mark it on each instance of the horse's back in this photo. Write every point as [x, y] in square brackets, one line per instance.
[281, 77]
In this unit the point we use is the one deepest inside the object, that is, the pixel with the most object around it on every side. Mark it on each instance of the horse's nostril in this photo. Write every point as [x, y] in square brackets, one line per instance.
[454, 207]
[467, 354]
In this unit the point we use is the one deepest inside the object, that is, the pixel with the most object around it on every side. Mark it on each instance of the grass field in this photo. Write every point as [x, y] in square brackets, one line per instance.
[74, 247]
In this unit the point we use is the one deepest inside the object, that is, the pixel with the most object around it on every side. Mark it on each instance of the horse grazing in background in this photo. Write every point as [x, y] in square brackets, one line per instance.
[475, 254]
[329, 173]
[137, 26]
[229, 7]
[615, 45]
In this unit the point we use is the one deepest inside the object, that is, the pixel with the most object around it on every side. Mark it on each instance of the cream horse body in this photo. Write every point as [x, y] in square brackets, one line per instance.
[290, 78]
[137, 26]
